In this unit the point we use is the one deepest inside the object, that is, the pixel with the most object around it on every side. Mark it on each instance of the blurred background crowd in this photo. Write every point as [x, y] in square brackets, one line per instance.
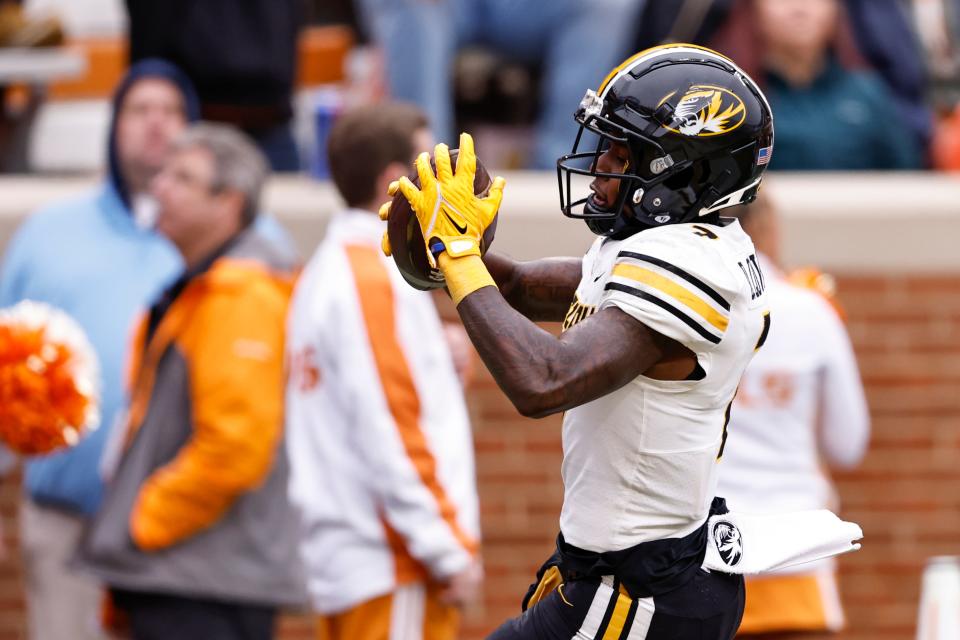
[872, 83]
[854, 85]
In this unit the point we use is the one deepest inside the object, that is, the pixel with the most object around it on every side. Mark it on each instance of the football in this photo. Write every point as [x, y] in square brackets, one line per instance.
[406, 240]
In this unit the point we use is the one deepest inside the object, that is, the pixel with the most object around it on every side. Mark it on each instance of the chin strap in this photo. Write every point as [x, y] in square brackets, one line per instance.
[617, 228]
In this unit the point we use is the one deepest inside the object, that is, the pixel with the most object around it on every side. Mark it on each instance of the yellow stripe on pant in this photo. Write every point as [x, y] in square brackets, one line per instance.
[551, 580]
[619, 617]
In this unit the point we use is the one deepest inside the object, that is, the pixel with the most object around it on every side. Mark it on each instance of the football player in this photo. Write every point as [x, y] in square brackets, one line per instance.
[660, 318]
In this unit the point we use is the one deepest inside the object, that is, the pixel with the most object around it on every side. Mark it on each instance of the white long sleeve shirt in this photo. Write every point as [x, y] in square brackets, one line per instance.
[800, 400]
[377, 429]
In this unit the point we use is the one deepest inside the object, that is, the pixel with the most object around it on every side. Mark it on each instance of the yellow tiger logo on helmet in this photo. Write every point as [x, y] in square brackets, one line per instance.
[706, 110]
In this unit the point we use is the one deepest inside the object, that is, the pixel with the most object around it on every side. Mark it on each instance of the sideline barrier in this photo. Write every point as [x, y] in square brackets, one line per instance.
[879, 223]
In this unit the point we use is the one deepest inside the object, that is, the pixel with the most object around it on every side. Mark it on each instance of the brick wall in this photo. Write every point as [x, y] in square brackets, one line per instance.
[906, 495]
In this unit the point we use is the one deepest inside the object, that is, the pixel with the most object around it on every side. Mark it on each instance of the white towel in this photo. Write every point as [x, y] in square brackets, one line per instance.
[749, 544]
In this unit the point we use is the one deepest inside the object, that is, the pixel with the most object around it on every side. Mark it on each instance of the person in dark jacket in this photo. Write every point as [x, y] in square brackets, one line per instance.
[880, 30]
[832, 112]
[241, 56]
[196, 537]
[887, 39]
[692, 21]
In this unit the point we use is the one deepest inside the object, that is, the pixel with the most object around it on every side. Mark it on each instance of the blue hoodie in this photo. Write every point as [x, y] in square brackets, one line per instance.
[87, 257]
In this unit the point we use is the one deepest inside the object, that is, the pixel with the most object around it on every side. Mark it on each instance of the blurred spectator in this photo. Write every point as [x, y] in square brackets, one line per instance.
[382, 469]
[800, 400]
[241, 57]
[18, 30]
[577, 41]
[887, 39]
[881, 29]
[92, 258]
[680, 21]
[327, 12]
[946, 144]
[830, 112]
[938, 26]
[196, 538]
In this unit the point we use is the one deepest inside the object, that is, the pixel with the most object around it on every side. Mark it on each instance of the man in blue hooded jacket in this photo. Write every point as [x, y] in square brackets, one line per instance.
[97, 258]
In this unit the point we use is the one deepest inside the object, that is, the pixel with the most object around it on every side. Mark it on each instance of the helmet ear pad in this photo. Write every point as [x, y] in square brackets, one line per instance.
[682, 195]
[659, 203]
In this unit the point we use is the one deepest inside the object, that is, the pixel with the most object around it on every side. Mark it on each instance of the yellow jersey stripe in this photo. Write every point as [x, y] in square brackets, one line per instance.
[674, 290]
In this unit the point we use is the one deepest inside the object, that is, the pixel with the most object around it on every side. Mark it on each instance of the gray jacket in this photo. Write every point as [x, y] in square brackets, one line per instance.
[198, 504]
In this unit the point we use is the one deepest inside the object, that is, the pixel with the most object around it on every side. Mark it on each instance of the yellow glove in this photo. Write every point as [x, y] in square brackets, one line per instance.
[452, 218]
[384, 214]
[463, 276]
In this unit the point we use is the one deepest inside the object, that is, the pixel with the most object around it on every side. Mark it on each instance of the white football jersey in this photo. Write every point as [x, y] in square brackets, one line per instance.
[640, 463]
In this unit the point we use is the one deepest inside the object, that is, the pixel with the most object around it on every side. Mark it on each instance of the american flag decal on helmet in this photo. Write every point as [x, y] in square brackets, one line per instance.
[763, 155]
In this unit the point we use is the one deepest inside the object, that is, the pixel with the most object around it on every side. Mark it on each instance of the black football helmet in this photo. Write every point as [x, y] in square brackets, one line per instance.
[699, 133]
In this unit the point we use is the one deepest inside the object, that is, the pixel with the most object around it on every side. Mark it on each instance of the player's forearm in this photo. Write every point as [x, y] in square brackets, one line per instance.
[522, 357]
[539, 373]
[540, 290]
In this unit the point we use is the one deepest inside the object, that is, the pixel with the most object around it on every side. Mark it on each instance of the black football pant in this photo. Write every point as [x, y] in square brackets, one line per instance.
[708, 607]
[165, 617]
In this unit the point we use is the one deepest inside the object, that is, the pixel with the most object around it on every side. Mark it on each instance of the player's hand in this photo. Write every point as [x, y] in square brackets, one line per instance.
[463, 587]
[452, 218]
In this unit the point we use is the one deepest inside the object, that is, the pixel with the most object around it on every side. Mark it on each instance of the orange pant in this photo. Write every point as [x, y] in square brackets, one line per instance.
[790, 603]
[412, 611]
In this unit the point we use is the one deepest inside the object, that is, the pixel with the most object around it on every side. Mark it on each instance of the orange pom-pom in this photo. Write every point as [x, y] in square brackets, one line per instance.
[48, 386]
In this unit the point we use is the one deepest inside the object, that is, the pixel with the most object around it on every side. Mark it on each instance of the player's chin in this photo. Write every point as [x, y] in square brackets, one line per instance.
[597, 204]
